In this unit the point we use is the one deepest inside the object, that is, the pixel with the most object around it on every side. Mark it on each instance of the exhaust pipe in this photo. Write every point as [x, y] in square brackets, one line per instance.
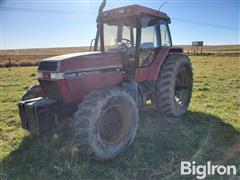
[100, 10]
[100, 24]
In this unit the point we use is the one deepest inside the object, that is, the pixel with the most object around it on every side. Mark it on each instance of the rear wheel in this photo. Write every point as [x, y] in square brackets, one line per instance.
[174, 85]
[33, 92]
[105, 123]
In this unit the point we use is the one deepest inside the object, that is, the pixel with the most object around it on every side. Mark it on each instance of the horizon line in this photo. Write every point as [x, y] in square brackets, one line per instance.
[89, 46]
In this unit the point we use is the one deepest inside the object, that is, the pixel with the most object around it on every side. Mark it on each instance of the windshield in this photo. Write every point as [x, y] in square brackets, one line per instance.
[119, 37]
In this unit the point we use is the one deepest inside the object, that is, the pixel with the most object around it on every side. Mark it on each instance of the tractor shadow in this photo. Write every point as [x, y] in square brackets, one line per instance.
[160, 145]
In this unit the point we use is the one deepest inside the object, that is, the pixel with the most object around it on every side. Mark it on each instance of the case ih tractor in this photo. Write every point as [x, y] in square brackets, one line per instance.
[133, 67]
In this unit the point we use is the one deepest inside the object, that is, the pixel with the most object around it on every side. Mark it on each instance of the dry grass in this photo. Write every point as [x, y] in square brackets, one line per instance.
[31, 57]
[232, 50]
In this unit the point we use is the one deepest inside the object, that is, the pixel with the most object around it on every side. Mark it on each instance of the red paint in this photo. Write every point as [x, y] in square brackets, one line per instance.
[150, 73]
[75, 88]
[81, 86]
[56, 89]
[90, 61]
[134, 11]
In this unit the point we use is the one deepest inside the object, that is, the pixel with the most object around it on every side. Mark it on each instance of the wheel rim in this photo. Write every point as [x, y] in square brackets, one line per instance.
[112, 127]
[183, 86]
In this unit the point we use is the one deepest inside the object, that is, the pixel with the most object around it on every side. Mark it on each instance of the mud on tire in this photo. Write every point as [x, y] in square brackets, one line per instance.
[174, 85]
[105, 123]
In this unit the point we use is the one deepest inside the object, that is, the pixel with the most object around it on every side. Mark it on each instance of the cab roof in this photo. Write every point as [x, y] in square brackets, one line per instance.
[133, 10]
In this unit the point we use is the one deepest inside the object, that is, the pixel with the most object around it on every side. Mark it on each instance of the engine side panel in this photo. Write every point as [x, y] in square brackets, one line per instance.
[81, 86]
[57, 90]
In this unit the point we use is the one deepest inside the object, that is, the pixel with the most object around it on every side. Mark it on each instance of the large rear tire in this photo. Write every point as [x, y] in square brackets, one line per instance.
[105, 123]
[33, 92]
[174, 85]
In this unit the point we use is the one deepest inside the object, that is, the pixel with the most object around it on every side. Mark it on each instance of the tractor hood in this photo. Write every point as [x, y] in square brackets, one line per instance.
[86, 61]
[68, 78]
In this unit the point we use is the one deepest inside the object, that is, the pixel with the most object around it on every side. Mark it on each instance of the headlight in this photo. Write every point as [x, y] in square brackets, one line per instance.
[56, 76]
[50, 75]
[40, 75]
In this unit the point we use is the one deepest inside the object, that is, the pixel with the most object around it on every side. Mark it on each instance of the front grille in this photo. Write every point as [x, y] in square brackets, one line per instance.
[47, 66]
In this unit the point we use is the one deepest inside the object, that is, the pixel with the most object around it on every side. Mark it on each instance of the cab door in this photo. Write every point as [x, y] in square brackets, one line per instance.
[149, 45]
[150, 40]
[155, 43]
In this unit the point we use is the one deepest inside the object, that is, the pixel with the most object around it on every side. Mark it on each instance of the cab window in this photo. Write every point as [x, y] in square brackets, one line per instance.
[150, 41]
[165, 38]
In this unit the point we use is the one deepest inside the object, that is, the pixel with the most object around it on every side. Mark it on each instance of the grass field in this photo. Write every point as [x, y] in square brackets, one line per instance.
[209, 131]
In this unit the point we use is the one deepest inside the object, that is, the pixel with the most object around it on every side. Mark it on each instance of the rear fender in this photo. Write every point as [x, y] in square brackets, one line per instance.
[150, 73]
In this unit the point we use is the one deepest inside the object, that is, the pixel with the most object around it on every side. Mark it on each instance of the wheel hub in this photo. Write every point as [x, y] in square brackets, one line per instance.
[111, 127]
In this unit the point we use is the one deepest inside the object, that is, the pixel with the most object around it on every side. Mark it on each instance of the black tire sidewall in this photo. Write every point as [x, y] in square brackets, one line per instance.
[178, 108]
[110, 150]
[106, 98]
[165, 91]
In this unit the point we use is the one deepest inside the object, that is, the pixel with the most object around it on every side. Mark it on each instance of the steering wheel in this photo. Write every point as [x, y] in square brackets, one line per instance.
[126, 44]
[127, 41]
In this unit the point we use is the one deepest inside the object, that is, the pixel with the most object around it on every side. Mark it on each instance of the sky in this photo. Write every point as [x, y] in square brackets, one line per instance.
[72, 23]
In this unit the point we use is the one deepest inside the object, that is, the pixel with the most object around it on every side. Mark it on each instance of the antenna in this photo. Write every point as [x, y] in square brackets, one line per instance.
[162, 5]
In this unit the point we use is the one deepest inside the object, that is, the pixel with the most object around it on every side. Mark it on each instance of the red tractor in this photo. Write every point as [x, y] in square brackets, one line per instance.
[133, 67]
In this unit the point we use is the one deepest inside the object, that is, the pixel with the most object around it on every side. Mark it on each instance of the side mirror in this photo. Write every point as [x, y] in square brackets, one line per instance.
[91, 45]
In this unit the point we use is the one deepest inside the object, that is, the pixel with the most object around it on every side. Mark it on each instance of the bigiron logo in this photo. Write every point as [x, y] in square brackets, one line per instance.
[202, 171]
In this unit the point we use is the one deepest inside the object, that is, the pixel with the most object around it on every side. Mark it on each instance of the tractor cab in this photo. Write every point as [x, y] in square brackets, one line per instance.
[136, 31]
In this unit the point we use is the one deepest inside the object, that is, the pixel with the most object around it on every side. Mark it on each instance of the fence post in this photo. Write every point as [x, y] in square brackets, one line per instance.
[9, 62]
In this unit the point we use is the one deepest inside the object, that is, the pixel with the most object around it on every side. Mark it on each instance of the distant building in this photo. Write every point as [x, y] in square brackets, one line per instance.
[197, 43]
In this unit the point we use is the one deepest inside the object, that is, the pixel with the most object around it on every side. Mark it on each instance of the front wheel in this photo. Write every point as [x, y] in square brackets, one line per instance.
[33, 92]
[105, 123]
[174, 85]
